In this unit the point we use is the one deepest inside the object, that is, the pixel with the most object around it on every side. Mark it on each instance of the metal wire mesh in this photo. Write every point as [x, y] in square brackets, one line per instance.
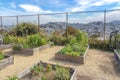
[53, 22]
[101, 23]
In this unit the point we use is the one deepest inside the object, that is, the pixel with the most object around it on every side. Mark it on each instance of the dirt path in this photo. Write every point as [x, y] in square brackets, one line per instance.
[99, 65]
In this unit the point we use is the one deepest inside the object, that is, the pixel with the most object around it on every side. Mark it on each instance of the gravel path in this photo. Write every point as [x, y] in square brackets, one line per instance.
[99, 65]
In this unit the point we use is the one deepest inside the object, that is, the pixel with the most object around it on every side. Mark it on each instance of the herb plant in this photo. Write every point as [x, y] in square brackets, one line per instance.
[1, 55]
[77, 45]
[47, 72]
[13, 78]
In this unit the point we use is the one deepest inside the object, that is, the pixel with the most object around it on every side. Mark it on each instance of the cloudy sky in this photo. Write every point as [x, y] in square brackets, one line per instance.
[14, 7]
[21, 7]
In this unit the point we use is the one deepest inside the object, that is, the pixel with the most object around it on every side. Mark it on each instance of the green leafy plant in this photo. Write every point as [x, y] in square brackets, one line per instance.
[1, 55]
[43, 71]
[43, 77]
[58, 39]
[7, 39]
[23, 29]
[99, 44]
[17, 47]
[35, 40]
[30, 41]
[76, 45]
[62, 73]
[13, 78]
[48, 68]
[36, 69]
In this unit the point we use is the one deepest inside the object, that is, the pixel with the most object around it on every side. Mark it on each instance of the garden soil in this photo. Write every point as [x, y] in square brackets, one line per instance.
[99, 65]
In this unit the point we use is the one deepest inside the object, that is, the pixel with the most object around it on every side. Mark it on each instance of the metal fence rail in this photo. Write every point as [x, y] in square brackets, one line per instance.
[84, 20]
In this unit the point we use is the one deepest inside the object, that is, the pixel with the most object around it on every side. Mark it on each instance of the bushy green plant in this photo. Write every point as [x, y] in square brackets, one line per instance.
[60, 38]
[23, 29]
[73, 50]
[82, 37]
[19, 40]
[49, 72]
[36, 69]
[13, 78]
[43, 77]
[30, 41]
[99, 44]
[62, 73]
[7, 39]
[17, 47]
[68, 39]
[35, 40]
[76, 45]
[1, 55]
[70, 31]
[48, 68]
[57, 38]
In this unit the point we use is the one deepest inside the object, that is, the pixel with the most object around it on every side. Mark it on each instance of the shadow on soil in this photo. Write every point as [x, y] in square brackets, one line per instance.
[108, 69]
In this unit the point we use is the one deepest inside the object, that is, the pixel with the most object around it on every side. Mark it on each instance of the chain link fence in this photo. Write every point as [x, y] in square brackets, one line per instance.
[95, 23]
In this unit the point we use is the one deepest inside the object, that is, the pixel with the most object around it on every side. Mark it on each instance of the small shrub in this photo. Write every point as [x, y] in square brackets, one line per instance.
[24, 29]
[98, 44]
[35, 70]
[49, 72]
[48, 68]
[68, 39]
[62, 73]
[25, 45]
[19, 40]
[35, 40]
[58, 40]
[7, 40]
[43, 77]
[17, 47]
[73, 50]
[76, 45]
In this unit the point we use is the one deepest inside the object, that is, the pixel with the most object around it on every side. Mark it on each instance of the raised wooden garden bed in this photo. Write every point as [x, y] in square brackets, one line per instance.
[117, 57]
[75, 59]
[27, 74]
[7, 61]
[5, 46]
[33, 50]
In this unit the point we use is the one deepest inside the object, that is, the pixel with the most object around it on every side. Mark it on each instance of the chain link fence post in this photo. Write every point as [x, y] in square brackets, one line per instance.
[16, 20]
[38, 22]
[1, 22]
[104, 24]
[66, 24]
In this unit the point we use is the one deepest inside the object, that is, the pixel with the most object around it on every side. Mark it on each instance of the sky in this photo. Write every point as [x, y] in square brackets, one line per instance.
[26, 7]
[16, 7]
